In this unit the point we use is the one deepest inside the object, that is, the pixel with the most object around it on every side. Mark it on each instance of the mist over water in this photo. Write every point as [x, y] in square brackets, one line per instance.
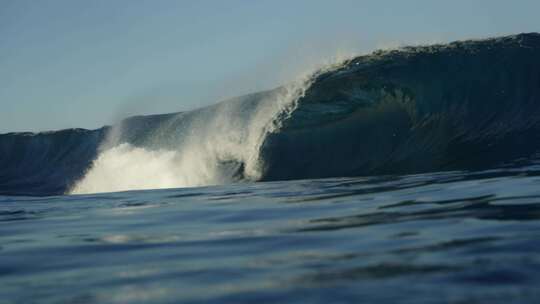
[219, 144]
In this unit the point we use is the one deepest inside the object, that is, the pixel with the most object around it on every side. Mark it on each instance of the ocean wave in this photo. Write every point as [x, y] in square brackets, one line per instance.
[460, 106]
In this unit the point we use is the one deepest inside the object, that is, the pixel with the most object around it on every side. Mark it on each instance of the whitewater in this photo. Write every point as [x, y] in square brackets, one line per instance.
[211, 146]
[408, 175]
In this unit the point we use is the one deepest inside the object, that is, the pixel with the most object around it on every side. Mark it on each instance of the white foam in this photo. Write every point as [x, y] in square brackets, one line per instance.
[219, 134]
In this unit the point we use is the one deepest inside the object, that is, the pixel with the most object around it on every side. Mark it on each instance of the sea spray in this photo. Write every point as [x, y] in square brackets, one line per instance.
[219, 144]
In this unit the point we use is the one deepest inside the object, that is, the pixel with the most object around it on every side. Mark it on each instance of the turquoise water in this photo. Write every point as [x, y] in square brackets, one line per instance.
[451, 237]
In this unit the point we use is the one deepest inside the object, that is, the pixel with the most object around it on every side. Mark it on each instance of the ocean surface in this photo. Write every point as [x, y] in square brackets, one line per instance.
[449, 237]
[401, 176]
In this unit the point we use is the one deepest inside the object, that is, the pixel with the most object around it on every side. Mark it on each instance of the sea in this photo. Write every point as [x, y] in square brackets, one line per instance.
[402, 176]
[448, 237]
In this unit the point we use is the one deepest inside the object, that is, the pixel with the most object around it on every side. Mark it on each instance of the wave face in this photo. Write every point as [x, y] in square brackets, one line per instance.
[46, 163]
[465, 105]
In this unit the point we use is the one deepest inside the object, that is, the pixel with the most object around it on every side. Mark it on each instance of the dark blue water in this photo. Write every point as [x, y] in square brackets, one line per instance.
[453, 237]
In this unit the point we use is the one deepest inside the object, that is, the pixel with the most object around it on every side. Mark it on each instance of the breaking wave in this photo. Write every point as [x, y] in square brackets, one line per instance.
[219, 144]
[461, 106]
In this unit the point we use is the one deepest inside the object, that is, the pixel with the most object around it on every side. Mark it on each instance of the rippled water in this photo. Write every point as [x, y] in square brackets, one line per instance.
[436, 238]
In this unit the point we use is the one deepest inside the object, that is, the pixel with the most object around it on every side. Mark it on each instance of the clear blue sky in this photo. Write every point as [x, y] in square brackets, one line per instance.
[79, 63]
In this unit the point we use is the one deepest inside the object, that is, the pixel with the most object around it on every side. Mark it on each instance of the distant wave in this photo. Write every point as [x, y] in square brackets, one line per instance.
[46, 163]
[465, 105]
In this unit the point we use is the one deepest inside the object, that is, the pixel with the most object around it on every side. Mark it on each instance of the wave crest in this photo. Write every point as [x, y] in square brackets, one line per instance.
[219, 144]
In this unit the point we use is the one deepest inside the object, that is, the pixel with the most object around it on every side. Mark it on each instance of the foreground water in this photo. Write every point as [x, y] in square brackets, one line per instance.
[450, 237]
